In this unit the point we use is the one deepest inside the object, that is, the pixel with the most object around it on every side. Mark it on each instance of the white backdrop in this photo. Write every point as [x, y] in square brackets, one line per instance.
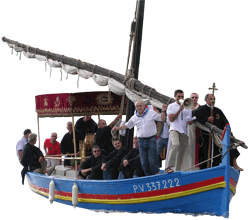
[186, 45]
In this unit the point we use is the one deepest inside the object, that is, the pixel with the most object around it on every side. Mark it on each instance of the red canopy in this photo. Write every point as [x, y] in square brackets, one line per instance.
[77, 104]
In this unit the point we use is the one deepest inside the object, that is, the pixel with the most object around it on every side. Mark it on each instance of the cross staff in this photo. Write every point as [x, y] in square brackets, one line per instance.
[212, 113]
[213, 100]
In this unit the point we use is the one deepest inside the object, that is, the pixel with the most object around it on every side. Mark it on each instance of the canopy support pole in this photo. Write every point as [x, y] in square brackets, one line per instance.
[38, 128]
[74, 138]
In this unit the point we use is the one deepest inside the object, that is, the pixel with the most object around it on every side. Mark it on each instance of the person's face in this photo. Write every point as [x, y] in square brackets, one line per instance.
[210, 99]
[87, 118]
[140, 107]
[96, 152]
[102, 124]
[117, 145]
[136, 142]
[194, 97]
[53, 137]
[69, 127]
[179, 96]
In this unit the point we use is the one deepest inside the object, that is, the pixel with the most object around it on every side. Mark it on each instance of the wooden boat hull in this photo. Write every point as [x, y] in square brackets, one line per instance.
[196, 192]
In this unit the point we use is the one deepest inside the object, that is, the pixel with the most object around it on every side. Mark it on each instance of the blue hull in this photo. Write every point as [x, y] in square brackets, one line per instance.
[196, 192]
[207, 191]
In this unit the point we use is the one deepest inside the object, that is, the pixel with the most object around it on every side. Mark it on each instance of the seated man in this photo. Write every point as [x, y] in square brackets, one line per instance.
[91, 168]
[67, 143]
[131, 165]
[52, 147]
[33, 159]
[111, 163]
[103, 136]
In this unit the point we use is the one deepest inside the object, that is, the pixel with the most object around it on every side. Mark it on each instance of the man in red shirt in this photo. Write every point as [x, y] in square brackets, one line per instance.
[52, 147]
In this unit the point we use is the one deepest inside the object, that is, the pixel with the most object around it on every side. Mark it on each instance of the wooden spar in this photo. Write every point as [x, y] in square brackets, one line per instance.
[138, 86]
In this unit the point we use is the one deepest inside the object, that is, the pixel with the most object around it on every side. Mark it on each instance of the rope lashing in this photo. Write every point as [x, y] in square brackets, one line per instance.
[93, 69]
[150, 91]
[127, 78]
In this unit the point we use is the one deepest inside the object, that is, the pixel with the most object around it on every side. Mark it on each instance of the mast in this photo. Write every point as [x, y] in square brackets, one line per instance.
[135, 62]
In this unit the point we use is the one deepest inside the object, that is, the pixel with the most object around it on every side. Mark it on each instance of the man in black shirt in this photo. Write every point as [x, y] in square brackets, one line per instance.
[33, 157]
[86, 125]
[111, 163]
[91, 168]
[67, 143]
[203, 115]
[103, 136]
[131, 165]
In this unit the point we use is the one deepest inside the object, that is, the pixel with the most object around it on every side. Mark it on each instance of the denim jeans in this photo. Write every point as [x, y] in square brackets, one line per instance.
[161, 143]
[148, 157]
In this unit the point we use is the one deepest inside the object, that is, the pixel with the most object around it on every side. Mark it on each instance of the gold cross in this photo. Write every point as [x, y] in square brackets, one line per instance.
[213, 88]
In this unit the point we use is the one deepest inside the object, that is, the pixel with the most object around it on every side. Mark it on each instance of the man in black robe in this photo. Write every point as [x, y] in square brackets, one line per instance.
[86, 125]
[111, 163]
[91, 168]
[103, 136]
[131, 165]
[203, 115]
[67, 143]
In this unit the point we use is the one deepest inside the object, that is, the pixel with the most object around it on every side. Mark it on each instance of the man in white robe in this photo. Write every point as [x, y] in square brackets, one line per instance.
[191, 156]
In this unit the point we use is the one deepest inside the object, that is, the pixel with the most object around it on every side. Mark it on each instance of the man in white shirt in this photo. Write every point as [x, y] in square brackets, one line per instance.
[21, 143]
[145, 119]
[178, 132]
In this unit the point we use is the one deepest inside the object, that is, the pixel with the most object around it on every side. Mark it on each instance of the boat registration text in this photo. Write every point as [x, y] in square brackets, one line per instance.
[151, 186]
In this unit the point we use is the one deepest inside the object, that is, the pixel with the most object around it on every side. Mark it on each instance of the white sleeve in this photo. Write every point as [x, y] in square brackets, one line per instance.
[131, 123]
[19, 145]
[170, 110]
[156, 116]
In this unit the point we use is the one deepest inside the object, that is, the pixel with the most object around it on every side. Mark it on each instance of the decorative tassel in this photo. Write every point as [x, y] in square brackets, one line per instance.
[78, 82]
[61, 73]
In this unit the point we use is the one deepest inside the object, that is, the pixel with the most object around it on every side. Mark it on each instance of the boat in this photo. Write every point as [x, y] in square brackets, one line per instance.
[206, 191]
[178, 192]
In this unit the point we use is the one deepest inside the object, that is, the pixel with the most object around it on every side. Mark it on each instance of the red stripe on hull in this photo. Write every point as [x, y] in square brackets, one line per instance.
[140, 194]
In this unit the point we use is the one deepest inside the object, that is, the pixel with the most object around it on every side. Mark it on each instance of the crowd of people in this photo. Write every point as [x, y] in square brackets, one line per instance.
[172, 130]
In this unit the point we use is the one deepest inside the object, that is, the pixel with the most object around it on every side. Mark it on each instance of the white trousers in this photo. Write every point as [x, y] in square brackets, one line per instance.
[179, 144]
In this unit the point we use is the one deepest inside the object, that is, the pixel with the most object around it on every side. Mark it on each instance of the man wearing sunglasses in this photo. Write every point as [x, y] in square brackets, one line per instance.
[91, 168]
